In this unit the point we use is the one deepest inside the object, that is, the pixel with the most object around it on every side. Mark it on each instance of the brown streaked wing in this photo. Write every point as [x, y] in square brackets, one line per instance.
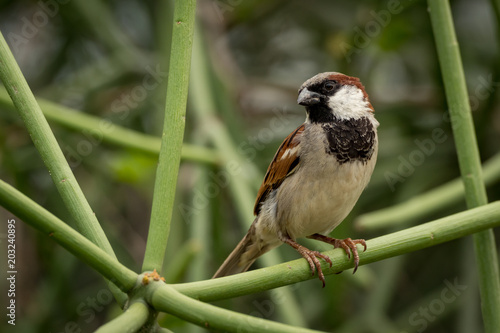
[280, 167]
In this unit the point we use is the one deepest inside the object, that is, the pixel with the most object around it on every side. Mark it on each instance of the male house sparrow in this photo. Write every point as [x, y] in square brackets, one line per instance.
[316, 176]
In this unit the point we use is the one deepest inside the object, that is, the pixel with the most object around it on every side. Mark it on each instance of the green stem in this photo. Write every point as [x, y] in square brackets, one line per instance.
[39, 218]
[427, 203]
[496, 9]
[241, 172]
[106, 131]
[469, 313]
[375, 307]
[46, 144]
[387, 246]
[199, 227]
[395, 244]
[100, 21]
[468, 156]
[204, 107]
[129, 321]
[178, 265]
[96, 75]
[458, 102]
[163, 330]
[167, 299]
[173, 132]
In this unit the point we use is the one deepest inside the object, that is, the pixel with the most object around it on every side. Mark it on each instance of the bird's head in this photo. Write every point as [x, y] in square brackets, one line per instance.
[331, 95]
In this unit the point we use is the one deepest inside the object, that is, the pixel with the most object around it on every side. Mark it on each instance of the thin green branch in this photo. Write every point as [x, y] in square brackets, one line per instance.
[100, 21]
[167, 299]
[199, 227]
[241, 172]
[51, 153]
[408, 240]
[468, 156]
[173, 133]
[377, 304]
[496, 9]
[129, 321]
[105, 130]
[178, 265]
[39, 218]
[163, 330]
[458, 102]
[202, 100]
[387, 246]
[427, 203]
[91, 77]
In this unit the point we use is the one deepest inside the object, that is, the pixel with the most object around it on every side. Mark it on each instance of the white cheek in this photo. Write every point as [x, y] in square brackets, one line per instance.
[349, 102]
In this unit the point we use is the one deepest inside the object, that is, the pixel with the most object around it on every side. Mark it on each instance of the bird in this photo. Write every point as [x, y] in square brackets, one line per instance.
[316, 176]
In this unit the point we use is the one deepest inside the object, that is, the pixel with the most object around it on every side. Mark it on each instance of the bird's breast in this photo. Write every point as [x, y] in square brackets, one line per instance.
[350, 139]
[325, 188]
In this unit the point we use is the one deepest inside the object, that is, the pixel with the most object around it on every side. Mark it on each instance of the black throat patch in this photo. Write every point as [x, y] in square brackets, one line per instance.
[350, 140]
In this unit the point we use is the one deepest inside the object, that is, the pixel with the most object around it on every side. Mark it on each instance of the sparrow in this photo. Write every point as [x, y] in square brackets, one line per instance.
[315, 177]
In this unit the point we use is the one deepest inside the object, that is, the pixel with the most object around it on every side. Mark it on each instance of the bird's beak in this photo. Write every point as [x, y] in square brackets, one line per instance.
[308, 98]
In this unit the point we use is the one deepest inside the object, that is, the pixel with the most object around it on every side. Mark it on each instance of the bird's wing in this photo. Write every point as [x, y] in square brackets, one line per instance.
[283, 164]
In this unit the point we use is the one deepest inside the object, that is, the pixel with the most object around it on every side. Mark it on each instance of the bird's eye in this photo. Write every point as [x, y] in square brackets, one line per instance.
[329, 85]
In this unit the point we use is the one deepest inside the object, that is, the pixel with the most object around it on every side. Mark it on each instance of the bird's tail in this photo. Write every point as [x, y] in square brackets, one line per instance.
[243, 256]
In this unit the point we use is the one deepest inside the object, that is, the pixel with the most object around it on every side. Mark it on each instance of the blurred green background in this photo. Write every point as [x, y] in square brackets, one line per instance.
[109, 59]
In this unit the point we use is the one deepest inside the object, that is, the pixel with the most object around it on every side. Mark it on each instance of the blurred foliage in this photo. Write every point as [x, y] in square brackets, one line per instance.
[104, 58]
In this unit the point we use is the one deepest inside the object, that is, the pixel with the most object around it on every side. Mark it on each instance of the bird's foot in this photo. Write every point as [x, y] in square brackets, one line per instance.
[311, 257]
[349, 246]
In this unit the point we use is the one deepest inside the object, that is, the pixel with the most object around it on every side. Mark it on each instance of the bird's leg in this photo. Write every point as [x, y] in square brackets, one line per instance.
[310, 256]
[349, 245]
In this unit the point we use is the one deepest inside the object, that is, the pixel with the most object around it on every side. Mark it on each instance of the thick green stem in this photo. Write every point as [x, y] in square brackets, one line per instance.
[47, 146]
[391, 245]
[39, 218]
[52, 155]
[427, 203]
[106, 131]
[468, 156]
[167, 299]
[129, 321]
[458, 102]
[173, 133]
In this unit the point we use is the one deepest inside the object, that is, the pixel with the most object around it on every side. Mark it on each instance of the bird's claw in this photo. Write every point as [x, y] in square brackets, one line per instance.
[312, 258]
[348, 244]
